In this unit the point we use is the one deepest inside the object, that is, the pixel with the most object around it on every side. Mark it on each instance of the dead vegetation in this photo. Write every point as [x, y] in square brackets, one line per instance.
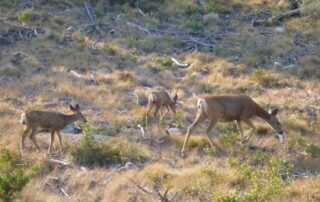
[108, 55]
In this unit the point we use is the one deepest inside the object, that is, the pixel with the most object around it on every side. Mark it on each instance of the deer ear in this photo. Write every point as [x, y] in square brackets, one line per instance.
[77, 107]
[72, 108]
[274, 112]
[175, 98]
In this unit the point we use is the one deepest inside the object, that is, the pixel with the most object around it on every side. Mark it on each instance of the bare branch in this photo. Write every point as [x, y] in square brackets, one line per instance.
[142, 131]
[137, 97]
[64, 192]
[178, 63]
[60, 162]
[131, 24]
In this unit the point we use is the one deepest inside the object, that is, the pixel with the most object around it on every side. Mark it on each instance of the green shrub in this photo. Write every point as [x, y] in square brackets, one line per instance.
[229, 136]
[23, 16]
[92, 153]
[14, 174]
[297, 141]
[268, 81]
[195, 26]
[225, 198]
[313, 150]
[264, 181]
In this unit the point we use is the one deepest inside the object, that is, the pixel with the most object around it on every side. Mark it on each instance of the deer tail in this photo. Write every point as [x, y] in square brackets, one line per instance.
[201, 103]
[23, 118]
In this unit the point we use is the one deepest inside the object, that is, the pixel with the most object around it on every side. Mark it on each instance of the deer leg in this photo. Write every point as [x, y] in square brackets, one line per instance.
[32, 138]
[150, 106]
[239, 127]
[211, 141]
[23, 136]
[199, 118]
[51, 140]
[60, 141]
[252, 128]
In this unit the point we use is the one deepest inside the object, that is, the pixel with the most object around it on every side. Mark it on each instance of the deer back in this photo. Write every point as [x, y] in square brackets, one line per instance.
[44, 119]
[160, 98]
[229, 107]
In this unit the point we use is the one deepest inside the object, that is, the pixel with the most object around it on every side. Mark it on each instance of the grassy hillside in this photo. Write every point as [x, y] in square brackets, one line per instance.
[102, 55]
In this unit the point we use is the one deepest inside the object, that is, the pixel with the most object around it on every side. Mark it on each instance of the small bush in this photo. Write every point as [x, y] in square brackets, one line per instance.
[264, 181]
[158, 173]
[23, 16]
[229, 136]
[309, 66]
[195, 26]
[266, 80]
[313, 150]
[14, 175]
[296, 142]
[164, 62]
[117, 150]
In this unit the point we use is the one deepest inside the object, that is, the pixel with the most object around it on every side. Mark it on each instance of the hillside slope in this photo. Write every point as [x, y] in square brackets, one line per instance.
[106, 56]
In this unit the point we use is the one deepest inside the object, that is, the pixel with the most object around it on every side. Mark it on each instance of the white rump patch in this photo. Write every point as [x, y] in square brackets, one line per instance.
[152, 97]
[23, 118]
[201, 103]
[280, 138]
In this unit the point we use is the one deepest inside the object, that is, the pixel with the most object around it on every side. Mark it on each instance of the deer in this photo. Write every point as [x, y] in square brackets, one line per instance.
[161, 98]
[54, 121]
[228, 108]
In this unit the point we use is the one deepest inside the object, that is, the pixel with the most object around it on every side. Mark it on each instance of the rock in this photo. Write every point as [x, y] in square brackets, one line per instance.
[174, 131]
[43, 83]
[130, 165]
[197, 75]
[211, 17]
[71, 29]
[277, 64]
[280, 29]
[17, 57]
[65, 99]
[72, 128]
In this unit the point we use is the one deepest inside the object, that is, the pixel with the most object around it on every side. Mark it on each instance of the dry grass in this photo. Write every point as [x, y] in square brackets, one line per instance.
[131, 61]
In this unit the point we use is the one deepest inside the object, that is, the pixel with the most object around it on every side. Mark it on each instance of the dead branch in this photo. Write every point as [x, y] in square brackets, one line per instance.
[138, 186]
[274, 19]
[89, 13]
[76, 74]
[93, 46]
[64, 163]
[288, 14]
[178, 63]
[142, 131]
[64, 192]
[131, 24]
[141, 12]
[137, 97]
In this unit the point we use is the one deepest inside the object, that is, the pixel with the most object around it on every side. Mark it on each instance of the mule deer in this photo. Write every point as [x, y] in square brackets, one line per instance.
[227, 108]
[54, 121]
[161, 98]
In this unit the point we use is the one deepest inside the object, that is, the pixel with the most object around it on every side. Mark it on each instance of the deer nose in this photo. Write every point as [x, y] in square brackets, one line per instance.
[280, 133]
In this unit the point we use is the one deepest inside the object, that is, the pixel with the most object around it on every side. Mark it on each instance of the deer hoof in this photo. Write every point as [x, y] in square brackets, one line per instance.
[183, 154]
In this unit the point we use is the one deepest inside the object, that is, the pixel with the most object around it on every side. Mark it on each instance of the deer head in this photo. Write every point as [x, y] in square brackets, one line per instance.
[173, 104]
[79, 115]
[275, 124]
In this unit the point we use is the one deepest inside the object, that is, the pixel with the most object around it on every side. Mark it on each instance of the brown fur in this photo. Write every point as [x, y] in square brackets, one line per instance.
[227, 108]
[160, 98]
[54, 121]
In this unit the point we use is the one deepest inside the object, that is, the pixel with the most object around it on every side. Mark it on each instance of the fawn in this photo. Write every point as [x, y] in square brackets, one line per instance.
[54, 121]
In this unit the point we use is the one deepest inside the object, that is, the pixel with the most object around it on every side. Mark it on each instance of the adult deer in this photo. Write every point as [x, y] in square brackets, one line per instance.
[160, 98]
[227, 108]
[54, 121]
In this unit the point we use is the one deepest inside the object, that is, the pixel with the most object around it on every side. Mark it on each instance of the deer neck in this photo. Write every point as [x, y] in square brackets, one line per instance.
[262, 113]
[70, 118]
